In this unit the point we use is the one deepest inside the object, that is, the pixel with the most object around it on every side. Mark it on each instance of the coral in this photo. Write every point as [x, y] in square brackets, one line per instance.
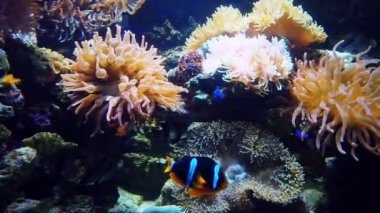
[15, 162]
[271, 172]
[129, 6]
[10, 95]
[5, 133]
[127, 202]
[47, 143]
[342, 98]
[166, 36]
[163, 209]
[4, 64]
[6, 111]
[282, 18]
[24, 205]
[40, 119]
[18, 16]
[120, 79]
[253, 62]
[215, 203]
[57, 62]
[313, 199]
[225, 20]
[70, 18]
[189, 65]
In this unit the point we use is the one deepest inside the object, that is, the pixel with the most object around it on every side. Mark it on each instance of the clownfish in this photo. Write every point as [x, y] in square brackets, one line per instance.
[200, 175]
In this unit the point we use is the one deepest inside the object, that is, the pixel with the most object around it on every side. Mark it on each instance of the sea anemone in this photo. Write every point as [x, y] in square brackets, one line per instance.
[282, 18]
[341, 97]
[71, 18]
[225, 20]
[119, 78]
[272, 173]
[253, 62]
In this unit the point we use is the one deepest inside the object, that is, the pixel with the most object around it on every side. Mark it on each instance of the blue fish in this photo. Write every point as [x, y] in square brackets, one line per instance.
[218, 94]
[298, 134]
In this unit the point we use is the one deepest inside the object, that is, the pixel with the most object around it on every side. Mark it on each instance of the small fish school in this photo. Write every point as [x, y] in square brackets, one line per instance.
[201, 176]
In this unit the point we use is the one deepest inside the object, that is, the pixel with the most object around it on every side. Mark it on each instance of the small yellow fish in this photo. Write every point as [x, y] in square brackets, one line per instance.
[10, 80]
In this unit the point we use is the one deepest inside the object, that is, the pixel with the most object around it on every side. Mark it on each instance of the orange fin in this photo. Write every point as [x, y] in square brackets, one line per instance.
[200, 182]
[200, 192]
[169, 163]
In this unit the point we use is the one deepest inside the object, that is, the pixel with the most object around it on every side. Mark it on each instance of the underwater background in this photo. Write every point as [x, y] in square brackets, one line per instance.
[91, 114]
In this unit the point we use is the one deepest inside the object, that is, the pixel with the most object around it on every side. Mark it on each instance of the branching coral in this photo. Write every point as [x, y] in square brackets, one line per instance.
[225, 20]
[252, 61]
[282, 18]
[273, 174]
[341, 97]
[119, 78]
[18, 16]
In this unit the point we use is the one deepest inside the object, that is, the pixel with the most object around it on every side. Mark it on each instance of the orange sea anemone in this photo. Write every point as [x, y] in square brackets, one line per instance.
[282, 18]
[120, 79]
[224, 21]
[342, 98]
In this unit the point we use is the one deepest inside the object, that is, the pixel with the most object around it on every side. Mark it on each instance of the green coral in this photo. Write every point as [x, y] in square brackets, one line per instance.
[47, 143]
[143, 162]
[143, 132]
[5, 133]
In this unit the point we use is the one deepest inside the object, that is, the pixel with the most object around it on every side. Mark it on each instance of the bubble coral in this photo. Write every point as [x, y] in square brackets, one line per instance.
[282, 18]
[341, 97]
[119, 78]
[253, 62]
[225, 20]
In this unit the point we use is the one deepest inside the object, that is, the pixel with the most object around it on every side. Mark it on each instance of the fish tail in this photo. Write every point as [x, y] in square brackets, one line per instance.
[169, 164]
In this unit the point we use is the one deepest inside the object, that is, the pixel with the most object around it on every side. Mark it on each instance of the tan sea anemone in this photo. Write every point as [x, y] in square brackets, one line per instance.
[342, 98]
[254, 62]
[225, 20]
[282, 18]
[120, 79]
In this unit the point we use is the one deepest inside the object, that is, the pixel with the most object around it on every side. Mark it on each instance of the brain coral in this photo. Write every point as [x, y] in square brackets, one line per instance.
[273, 174]
[119, 78]
[252, 61]
[342, 98]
